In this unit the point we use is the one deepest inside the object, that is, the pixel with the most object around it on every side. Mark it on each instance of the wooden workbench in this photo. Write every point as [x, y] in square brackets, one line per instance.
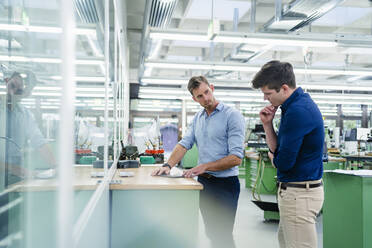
[144, 180]
[145, 211]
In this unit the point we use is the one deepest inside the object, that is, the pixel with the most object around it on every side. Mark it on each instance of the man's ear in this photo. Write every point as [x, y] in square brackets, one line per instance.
[6, 80]
[193, 98]
[285, 87]
[212, 87]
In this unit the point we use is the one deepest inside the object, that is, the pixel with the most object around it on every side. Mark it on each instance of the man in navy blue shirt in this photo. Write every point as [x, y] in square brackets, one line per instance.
[218, 132]
[296, 151]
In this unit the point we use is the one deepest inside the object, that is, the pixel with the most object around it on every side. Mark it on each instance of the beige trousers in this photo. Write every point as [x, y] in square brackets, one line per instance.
[298, 208]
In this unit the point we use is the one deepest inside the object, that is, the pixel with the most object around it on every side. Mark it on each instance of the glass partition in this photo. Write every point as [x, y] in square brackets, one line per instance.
[31, 91]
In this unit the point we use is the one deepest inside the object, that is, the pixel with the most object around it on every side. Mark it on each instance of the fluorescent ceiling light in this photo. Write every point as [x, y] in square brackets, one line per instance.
[154, 90]
[57, 88]
[90, 95]
[45, 93]
[237, 93]
[89, 62]
[319, 71]
[248, 38]
[164, 81]
[249, 68]
[44, 29]
[83, 79]
[48, 60]
[251, 96]
[101, 109]
[57, 94]
[49, 88]
[359, 97]
[152, 96]
[335, 87]
[338, 101]
[175, 65]
[246, 83]
[178, 36]
[273, 41]
[150, 109]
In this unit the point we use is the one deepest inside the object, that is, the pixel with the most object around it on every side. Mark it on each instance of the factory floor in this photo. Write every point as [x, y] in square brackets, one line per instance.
[250, 228]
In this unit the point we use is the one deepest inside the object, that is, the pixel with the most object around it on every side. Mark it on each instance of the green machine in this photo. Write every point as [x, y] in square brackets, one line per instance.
[263, 181]
[190, 159]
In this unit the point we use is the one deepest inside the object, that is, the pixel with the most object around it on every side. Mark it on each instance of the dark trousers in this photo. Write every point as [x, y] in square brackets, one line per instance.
[218, 204]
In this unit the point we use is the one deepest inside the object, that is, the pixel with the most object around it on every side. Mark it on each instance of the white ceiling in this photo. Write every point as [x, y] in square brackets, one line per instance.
[352, 20]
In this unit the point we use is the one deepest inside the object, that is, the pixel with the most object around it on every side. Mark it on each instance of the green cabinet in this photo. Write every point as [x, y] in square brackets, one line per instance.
[347, 211]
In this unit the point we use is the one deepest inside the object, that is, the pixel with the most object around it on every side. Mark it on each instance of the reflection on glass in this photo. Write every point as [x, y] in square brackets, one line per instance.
[23, 134]
[30, 101]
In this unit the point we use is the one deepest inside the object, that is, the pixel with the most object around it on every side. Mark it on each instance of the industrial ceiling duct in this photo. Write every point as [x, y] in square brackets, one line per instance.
[87, 11]
[161, 12]
[158, 13]
[298, 14]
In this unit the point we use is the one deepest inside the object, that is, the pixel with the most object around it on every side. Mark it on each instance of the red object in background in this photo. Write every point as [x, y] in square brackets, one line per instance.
[83, 151]
[151, 152]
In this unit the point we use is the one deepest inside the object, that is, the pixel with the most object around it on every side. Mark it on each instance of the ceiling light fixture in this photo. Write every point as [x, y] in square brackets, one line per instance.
[44, 29]
[82, 79]
[304, 40]
[221, 66]
[48, 60]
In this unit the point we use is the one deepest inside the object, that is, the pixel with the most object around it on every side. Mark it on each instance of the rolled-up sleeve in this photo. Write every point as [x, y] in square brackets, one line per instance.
[189, 139]
[236, 134]
[293, 131]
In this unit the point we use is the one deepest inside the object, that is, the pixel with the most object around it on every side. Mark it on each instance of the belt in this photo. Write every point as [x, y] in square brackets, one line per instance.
[209, 176]
[297, 185]
[206, 175]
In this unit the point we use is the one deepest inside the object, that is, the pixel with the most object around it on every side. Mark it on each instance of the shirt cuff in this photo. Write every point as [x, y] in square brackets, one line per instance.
[184, 144]
[238, 154]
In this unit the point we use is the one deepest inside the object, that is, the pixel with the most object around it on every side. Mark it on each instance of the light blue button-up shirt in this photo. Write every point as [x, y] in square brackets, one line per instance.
[218, 135]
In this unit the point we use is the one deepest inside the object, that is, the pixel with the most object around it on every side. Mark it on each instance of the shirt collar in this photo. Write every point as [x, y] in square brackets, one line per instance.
[219, 107]
[299, 91]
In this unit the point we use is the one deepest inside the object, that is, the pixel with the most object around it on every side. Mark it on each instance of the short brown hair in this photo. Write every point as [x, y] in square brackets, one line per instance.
[274, 74]
[195, 82]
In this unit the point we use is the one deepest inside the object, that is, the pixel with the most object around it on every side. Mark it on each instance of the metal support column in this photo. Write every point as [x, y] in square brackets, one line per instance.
[252, 24]
[364, 116]
[339, 120]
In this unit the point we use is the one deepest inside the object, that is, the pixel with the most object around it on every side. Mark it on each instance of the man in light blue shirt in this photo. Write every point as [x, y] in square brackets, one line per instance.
[218, 131]
[21, 130]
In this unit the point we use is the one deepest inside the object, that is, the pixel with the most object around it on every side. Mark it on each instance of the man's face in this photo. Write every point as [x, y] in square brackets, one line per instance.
[274, 97]
[15, 86]
[204, 95]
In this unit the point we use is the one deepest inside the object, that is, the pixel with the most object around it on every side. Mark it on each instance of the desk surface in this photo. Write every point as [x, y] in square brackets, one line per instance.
[357, 157]
[84, 181]
[143, 180]
[336, 159]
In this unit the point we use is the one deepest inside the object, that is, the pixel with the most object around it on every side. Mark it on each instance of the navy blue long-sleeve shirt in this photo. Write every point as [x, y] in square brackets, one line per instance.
[298, 156]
